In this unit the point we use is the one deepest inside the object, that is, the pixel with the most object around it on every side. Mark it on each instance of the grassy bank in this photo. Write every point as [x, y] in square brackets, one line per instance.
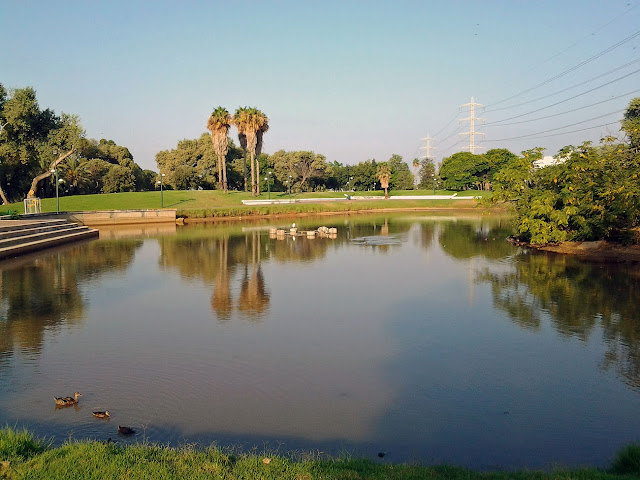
[213, 203]
[22, 456]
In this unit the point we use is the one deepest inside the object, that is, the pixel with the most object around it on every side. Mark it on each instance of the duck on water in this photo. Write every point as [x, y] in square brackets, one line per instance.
[64, 401]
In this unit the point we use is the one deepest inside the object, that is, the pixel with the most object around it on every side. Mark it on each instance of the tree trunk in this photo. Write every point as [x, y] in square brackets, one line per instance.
[258, 176]
[220, 186]
[4, 199]
[244, 169]
[253, 177]
[36, 180]
[386, 192]
[216, 151]
[224, 175]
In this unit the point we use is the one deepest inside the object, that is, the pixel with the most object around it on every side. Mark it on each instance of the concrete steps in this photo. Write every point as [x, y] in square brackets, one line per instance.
[18, 237]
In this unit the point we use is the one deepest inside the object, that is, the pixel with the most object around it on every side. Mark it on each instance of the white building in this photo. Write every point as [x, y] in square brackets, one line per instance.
[548, 160]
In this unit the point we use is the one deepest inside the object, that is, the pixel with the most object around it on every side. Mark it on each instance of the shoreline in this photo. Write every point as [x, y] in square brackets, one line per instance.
[598, 251]
[476, 210]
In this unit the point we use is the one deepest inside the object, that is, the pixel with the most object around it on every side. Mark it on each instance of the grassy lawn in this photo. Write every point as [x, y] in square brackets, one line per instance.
[210, 203]
[22, 456]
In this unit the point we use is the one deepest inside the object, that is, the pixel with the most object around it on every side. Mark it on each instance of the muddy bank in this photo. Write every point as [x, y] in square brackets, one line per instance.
[600, 251]
[469, 209]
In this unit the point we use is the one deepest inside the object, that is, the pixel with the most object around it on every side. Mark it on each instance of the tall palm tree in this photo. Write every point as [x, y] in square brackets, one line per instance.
[416, 165]
[218, 124]
[383, 172]
[250, 121]
[75, 173]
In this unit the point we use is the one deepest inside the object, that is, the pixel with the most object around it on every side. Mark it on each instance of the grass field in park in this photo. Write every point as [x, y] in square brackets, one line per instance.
[210, 203]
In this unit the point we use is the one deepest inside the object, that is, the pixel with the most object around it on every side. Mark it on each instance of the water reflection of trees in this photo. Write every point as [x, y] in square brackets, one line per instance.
[231, 261]
[463, 240]
[578, 298]
[217, 260]
[46, 294]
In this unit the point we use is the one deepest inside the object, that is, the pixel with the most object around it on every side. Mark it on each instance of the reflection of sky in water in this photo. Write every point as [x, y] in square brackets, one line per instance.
[395, 347]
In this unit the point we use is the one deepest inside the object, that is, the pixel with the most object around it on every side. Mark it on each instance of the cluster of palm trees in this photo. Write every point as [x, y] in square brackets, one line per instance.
[252, 125]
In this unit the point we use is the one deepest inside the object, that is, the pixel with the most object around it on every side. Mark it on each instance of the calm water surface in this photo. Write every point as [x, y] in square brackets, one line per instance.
[429, 338]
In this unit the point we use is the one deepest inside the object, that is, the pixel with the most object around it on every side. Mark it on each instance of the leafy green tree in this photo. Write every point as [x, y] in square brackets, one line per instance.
[594, 194]
[496, 159]
[185, 177]
[426, 174]
[463, 170]
[96, 169]
[401, 176]
[338, 177]
[299, 167]
[197, 153]
[32, 141]
[365, 175]
[147, 180]
[118, 179]
[631, 123]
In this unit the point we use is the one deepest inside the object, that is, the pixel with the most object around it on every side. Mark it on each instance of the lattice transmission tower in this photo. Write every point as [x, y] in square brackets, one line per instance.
[472, 119]
[428, 146]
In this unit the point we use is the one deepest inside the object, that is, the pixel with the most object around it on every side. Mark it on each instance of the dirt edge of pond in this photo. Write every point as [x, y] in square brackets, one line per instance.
[458, 210]
[601, 251]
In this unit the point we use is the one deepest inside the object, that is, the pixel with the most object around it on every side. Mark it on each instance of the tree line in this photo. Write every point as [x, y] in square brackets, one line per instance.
[194, 164]
[35, 141]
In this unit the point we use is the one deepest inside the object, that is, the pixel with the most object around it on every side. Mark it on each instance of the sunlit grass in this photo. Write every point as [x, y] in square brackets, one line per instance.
[24, 457]
[210, 203]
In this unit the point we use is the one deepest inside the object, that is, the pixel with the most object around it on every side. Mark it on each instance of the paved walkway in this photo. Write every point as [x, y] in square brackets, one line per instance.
[355, 198]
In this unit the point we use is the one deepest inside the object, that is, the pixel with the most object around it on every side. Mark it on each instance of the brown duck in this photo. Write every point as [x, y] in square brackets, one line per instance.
[125, 430]
[64, 401]
[99, 414]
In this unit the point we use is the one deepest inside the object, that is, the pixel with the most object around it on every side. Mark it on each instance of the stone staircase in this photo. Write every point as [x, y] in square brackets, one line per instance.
[18, 237]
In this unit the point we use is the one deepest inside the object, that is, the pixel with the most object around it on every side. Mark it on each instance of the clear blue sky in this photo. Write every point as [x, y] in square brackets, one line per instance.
[349, 79]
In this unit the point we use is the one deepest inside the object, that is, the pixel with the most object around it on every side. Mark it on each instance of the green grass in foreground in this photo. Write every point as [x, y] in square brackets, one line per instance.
[213, 203]
[22, 456]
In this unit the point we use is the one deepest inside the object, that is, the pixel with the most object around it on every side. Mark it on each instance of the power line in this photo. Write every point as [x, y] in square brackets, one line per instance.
[451, 135]
[493, 124]
[448, 123]
[557, 128]
[452, 145]
[565, 100]
[564, 89]
[572, 45]
[575, 67]
[557, 134]
[583, 38]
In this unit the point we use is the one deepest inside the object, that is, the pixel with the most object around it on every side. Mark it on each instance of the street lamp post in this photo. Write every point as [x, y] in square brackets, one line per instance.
[349, 182]
[55, 172]
[161, 192]
[433, 181]
[266, 180]
[290, 182]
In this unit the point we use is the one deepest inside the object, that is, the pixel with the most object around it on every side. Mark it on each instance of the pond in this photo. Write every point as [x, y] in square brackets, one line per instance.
[429, 338]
